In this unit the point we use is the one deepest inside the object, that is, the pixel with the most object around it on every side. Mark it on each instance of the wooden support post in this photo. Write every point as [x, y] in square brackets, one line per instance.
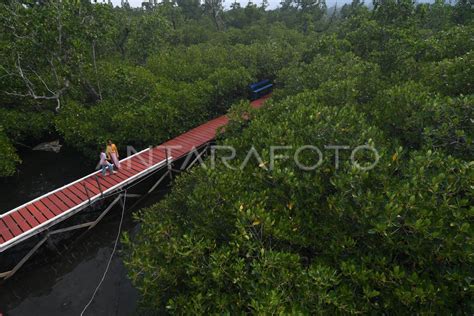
[198, 157]
[106, 211]
[70, 228]
[130, 195]
[159, 181]
[9, 274]
[3, 275]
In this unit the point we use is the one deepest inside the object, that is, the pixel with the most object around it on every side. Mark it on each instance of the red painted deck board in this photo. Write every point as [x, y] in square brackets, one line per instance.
[92, 187]
[177, 150]
[178, 154]
[147, 158]
[113, 180]
[43, 209]
[141, 164]
[136, 167]
[12, 226]
[65, 202]
[121, 176]
[158, 158]
[107, 182]
[77, 196]
[143, 161]
[32, 221]
[104, 182]
[192, 138]
[79, 187]
[199, 133]
[44, 206]
[188, 142]
[127, 173]
[72, 198]
[20, 221]
[4, 231]
[61, 206]
[138, 163]
[51, 206]
[40, 217]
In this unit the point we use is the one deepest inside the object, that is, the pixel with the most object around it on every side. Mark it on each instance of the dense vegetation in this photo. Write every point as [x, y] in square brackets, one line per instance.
[396, 239]
[88, 72]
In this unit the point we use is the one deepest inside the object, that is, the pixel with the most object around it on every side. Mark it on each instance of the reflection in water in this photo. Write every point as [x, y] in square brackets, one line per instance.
[61, 282]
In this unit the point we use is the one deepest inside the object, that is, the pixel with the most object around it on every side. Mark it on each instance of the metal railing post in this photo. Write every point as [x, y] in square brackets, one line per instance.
[168, 164]
[87, 192]
[100, 187]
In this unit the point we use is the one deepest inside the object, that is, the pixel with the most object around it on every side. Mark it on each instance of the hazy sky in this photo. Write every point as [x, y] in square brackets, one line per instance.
[227, 3]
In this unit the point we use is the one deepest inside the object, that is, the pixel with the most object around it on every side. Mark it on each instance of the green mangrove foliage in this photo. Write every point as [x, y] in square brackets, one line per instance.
[269, 237]
[265, 236]
[85, 72]
[334, 240]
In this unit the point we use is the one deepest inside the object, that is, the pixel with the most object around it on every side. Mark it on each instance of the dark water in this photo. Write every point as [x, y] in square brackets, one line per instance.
[41, 172]
[62, 282]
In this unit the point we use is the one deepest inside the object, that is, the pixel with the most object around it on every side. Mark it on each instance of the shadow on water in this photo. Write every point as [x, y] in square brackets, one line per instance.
[62, 282]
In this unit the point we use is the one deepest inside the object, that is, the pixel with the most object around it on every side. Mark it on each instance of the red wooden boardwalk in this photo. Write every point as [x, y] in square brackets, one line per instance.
[42, 213]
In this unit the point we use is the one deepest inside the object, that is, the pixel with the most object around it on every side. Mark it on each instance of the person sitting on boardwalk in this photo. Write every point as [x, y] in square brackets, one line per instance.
[112, 154]
[104, 164]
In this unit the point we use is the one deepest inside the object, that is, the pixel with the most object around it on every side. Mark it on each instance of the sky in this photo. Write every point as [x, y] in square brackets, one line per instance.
[272, 3]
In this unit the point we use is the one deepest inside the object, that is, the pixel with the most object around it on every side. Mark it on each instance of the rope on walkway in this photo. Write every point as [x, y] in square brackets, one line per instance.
[111, 256]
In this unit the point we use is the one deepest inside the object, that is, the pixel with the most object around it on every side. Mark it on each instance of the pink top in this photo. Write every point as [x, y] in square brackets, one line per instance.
[103, 159]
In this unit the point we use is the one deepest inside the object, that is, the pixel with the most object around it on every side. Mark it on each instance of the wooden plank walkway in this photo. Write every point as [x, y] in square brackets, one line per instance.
[46, 211]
